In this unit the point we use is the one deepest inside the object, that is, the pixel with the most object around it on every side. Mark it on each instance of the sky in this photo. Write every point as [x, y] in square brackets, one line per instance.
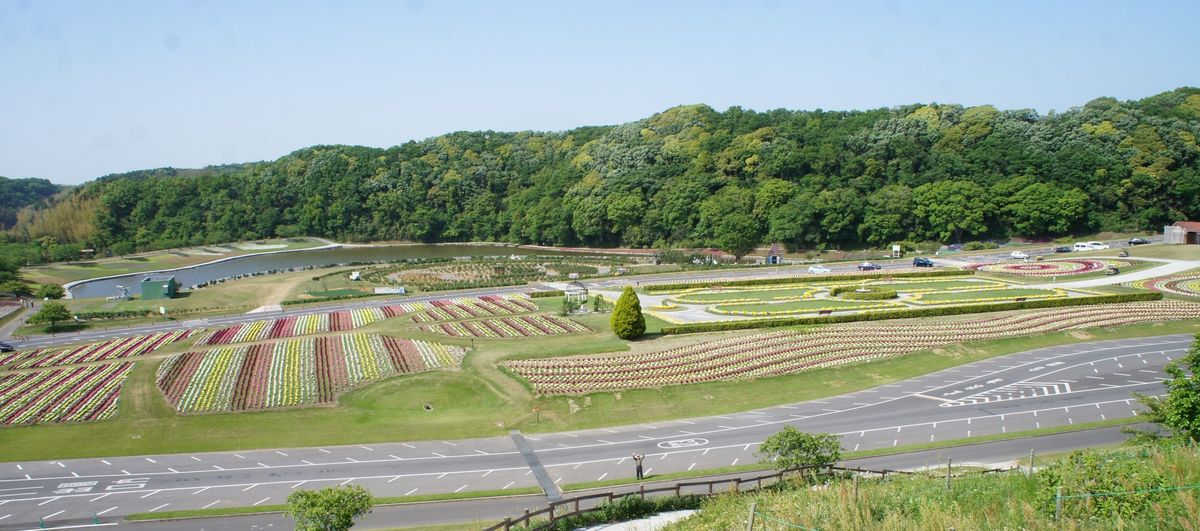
[89, 88]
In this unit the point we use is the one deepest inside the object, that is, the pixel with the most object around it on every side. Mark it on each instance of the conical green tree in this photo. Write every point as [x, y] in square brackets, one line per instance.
[627, 320]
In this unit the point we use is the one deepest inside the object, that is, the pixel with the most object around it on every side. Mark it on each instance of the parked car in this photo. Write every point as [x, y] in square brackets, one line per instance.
[821, 270]
[869, 266]
[5, 347]
[1062, 249]
[1089, 246]
[1138, 241]
[1018, 255]
[1096, 246]
[1112, 270]
[921, 261]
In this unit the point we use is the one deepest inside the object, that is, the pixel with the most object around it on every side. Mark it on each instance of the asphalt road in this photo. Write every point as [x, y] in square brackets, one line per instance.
[1041, 388]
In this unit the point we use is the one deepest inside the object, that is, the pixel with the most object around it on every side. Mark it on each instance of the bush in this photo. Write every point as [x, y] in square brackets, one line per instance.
[907, 314]
[629, 507]
[872, 294]
[792, 448]
[793, 280]
[544, 294]
[627, 320]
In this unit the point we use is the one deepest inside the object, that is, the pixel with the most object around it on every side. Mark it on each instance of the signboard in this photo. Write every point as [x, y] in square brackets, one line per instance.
[389, 291]
[162, 310]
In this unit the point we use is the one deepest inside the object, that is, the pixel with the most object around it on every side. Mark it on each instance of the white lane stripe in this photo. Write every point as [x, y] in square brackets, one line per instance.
[260, 502]
[108, 510]
[211, 504]
[159, 507]
[52, 515]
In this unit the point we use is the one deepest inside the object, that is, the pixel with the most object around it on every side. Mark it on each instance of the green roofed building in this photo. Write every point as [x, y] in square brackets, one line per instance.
[161, 287]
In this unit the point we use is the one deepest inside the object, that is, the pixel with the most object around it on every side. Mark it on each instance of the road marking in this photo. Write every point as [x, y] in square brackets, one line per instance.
[260, 465]
[461, 488]
[297, 485]
[239, 456]
[100, 497]
[260, 502]
[306, 461]
[602, 476]
[48, 501]
[201, 490]
[149, 494]
[196, 459]
[434, 453]
[171, 469]
[734, 463]
[450, 443]
[217, 467]
[250, 487]
[324, 451]
[211, 504]
[159, 507]
[604, 441]
[367, 448]
[52, 515]
[409, 493]
[281, 453]
[443, 474]
[343, 484]
[408, 445]
[108, 510]
[353, 460]
[692, 466]
[106, 462]
[481, 452]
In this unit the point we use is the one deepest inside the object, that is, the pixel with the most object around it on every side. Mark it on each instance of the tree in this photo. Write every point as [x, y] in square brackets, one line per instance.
[737, 234]
[15, 287]
[50, 291]
[951, 209]
[627, 319]
[791, 448]
[1180, 410]
[51, 312]
[331, 509]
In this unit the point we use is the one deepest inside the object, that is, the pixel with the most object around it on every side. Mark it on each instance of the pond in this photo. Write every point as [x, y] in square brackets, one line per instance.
[257, 263]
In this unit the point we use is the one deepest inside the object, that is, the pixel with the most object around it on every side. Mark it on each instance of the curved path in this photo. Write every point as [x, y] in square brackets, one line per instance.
[1053, 386]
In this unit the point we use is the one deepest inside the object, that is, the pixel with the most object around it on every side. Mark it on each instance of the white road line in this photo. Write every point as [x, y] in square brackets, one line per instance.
[281, 453]
[343, 484]
[463, 487]
[211, 504]
[100, 497]
[48, 501]
[149, 494]
[31, 487]
[260, 465]
[409, 493]
[406, 445]
[692, 466]
[602, 476]
[734, 463]
[297, 485]
[250, 487]
[367, 448]
[159, 507]
[106, 462]
[196, 459]
[437, 454]
[450, 443]
[306, 461]
[322, 450]
[239, 456]
[201, 490]
[173, 470]
[260, 502]
[108, 510]
[396, 458]
[52, 515]
[151, 460]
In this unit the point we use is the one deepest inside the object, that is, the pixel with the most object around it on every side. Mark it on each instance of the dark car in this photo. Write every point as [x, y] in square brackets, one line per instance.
[869, 266]
[5, 347]
[921, 261]
[1063, 249]
[1138, 241]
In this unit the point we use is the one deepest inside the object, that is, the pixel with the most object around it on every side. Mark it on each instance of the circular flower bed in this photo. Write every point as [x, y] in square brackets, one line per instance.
[1050, 268]
[872, 293]
[1187, 284]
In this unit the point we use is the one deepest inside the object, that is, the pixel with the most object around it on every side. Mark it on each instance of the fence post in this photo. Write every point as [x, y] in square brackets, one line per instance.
[750, 522]
[1058, 503]
[1030, 473]
[856, 488]
[576, 504]
[642, 491]
[526, 518]
[737, 484]
[948, 461]
[507, 523]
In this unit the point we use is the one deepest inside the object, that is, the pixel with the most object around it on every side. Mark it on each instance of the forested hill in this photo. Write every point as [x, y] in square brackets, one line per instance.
[691, 176]
[16, 194]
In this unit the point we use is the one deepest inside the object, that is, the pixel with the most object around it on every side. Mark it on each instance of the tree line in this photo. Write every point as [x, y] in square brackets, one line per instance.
[689, 176]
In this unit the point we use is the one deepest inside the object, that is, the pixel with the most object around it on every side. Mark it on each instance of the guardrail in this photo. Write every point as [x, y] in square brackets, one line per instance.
[577, 505]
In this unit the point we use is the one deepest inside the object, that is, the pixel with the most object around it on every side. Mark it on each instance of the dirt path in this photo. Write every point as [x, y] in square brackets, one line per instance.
[280, 290]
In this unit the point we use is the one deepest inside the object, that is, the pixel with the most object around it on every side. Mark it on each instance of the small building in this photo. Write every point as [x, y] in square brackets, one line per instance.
[159, 287]
[576, 292]
[775, 255]
[1182, 232]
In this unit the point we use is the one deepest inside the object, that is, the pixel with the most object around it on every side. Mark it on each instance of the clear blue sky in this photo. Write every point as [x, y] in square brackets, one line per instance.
[94, 87]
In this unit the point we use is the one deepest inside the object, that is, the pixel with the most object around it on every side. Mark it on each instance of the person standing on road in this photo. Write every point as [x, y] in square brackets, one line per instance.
[637, 460]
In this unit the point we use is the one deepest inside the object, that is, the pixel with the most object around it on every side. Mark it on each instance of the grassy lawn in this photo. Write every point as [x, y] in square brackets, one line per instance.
[746, 295]
[992, 294]
[103, 267]
[479, 400]
[1156, 250]
[800, 306]
[937, 285]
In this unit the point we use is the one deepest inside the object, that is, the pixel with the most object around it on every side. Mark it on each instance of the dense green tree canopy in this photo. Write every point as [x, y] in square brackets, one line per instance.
[801, 178]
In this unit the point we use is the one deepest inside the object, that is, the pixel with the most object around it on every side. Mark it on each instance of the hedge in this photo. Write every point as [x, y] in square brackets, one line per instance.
[874, 294]
[793, 280]
[290, 302]
[908, 314]
[543, 294]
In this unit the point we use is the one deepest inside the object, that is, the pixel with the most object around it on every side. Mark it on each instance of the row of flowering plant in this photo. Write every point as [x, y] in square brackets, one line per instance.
[751, 356]
[125, 347]
[1184, 284]
[294, 372]
[69, 394]
[518, 326]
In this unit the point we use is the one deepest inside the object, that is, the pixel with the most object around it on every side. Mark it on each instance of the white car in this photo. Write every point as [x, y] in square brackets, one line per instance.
[1097, 246]
[821, 270]
[1018, 255]
[1089, 246]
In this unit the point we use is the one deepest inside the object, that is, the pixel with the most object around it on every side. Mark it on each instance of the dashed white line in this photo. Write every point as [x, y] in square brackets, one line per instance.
[48, 501]
[52, 515]
[250, 487]
[108, 510]
[211, 504]
[602, 476]
[409, 493]
[260, 502]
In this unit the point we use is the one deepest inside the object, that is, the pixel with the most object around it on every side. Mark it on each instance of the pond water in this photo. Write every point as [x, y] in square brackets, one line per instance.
[256, 263]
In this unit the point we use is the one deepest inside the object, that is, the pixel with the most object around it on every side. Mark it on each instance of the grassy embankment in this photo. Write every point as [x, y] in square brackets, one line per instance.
[481, 400]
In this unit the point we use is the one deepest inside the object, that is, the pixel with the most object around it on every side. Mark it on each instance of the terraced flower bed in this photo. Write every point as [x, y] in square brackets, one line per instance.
[62, 395]
[987, 295]
[777, 353]
[125, 347]
[1184, 284]
[295, 372]
[797, 307]
[298, 325]
[1050, 268]
[937, 285]
[467, 308]
[519, 326]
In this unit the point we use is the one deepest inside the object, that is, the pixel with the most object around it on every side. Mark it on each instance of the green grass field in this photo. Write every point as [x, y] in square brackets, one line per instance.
[937, 285]
[790, 307]
[999, 295]
[745, 295]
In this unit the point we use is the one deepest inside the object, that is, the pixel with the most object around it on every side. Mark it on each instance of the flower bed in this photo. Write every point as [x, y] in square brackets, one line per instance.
[1185, 284]
[303, 325]
[519, 326]
[987, 295]
[468, 307]
[1050, 268]
[125, 347]
[62, 395]
[711, 296]
[796, 307]
[793, 351]
[294, 372]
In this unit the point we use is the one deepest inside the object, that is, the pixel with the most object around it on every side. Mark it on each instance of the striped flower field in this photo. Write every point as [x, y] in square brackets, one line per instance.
[62, 395]
[467, 308]
[753, 356]
[125, 347]
[294, 372]
[518, 326]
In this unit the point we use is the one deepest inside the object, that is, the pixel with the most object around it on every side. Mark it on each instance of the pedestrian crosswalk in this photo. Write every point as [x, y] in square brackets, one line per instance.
[1013, 391]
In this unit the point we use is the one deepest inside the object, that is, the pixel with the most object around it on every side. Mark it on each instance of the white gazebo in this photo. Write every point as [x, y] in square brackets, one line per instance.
[576, 292]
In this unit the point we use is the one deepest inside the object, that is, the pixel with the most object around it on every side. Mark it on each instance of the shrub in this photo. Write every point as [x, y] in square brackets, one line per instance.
[627, 320]
[872, 294]
[544, 294]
